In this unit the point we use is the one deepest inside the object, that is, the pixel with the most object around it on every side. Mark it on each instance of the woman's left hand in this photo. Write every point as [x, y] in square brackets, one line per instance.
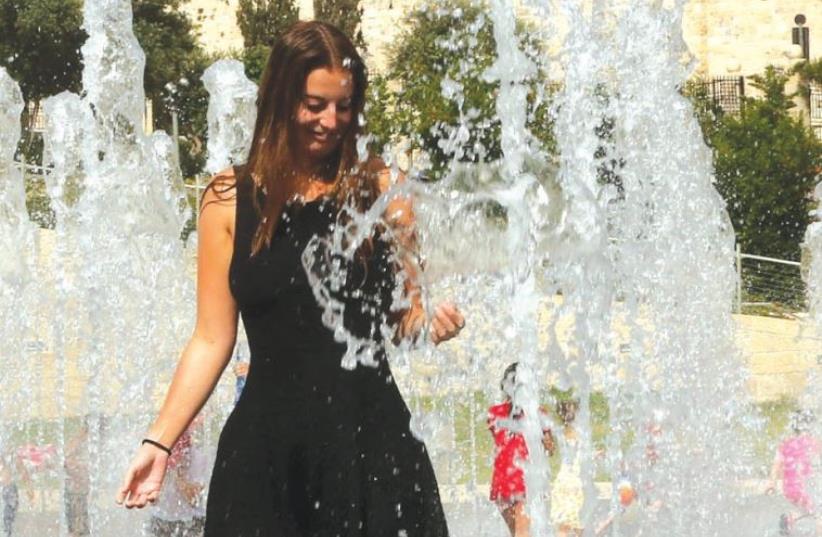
[446, 322]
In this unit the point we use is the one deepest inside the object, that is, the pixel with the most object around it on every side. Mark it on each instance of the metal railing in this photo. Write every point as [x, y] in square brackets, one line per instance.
[767, 284]
[764, 284]
[816, 109]
[726, 92]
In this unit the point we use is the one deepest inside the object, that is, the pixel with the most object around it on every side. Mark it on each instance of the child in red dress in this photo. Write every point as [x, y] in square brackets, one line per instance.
[507, 482]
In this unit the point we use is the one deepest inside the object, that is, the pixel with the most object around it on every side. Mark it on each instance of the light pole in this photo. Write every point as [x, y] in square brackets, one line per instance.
[801, 35]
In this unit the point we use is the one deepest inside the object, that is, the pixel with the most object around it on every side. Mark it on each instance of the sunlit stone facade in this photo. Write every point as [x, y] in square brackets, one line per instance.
[728, 37]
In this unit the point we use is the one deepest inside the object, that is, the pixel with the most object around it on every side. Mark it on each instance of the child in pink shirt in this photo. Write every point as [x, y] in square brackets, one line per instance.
[793, 463]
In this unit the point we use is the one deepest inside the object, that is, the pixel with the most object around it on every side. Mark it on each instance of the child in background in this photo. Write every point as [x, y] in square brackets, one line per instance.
[77, 483]
[567, 494]
[12, 471]
[508, 483]
[793, 464]
[626, 490]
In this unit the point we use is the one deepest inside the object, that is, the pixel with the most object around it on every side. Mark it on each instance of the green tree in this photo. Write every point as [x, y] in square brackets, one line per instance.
[378, 117]
[174, 66]
[435, 85]
[189, 99]
[344, 14]
[40, 46]
[809, 71]
[767, 161]
[167, 36]
[708, 112]
[255, 59]
[262, 21]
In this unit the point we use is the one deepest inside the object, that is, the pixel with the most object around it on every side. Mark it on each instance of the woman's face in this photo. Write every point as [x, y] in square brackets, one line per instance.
[325, 112]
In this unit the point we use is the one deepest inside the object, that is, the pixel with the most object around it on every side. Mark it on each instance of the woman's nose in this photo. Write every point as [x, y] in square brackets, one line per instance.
[329, 118]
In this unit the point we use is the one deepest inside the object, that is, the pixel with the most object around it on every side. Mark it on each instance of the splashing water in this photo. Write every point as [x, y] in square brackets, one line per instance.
[813, 245]
[98, 344]
[17, 229]
[232, 110]
[652, 253]
[616, 289]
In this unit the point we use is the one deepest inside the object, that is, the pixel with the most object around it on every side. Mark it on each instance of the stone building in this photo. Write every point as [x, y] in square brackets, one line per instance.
[730, 39]
[381, 22]
[733, 40]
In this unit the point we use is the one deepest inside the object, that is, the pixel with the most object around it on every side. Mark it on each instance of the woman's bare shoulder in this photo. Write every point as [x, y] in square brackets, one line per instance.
[222, 187]
[219, 199]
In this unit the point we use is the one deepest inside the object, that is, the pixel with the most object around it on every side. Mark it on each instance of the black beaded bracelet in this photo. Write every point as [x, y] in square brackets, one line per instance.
[157, 445]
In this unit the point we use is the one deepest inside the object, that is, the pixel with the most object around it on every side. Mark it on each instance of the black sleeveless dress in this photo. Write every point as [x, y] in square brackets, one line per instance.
[313, 449]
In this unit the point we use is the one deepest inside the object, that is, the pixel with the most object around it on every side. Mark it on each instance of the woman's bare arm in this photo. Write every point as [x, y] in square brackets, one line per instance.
[446, 321]
[205, 356]
[209, 349]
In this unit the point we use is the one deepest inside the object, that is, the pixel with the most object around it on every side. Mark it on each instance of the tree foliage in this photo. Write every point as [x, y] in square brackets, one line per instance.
[167, 36]
[708, 112]
[189, 99]
[262, 21]
[255, 59]
[436, 95]
[40, 45]
[344, 14]
[809, 71]
[174, 65]
[766, 161]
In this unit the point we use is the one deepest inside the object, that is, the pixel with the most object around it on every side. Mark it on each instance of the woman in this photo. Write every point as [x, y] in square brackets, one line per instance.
[508, 480]
[311, 448]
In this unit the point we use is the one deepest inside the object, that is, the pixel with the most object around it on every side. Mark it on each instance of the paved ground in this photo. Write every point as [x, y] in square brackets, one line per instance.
[758, 517]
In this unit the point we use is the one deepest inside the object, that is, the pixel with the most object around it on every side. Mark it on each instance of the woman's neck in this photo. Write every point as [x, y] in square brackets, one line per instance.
[321, 173]
[309, 187]
[313, 170]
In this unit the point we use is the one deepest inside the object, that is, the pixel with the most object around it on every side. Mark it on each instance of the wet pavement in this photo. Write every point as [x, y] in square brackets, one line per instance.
[758, 516]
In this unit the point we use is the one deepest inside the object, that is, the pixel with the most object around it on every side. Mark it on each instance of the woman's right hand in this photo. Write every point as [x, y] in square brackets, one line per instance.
[446, 322]
[144, 478]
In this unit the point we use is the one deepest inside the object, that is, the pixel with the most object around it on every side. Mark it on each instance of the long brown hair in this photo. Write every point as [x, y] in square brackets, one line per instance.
[305, 46]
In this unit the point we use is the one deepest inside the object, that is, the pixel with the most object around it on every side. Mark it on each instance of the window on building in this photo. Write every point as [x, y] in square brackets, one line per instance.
[816, 109]
[726, 92]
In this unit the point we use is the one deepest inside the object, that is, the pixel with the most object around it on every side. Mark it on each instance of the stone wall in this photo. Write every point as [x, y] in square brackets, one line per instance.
[217, 23]
[781, 354]
[727, 37]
